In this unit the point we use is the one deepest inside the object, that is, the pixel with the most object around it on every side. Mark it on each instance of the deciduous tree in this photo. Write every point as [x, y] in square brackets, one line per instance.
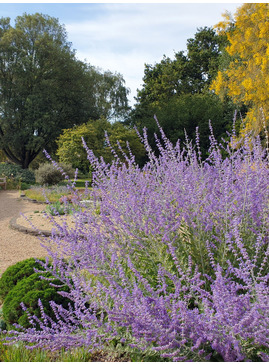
[246, 78]
[186, 73]
[112, 95]
[44, 88]
[70, 148]
[177, 91]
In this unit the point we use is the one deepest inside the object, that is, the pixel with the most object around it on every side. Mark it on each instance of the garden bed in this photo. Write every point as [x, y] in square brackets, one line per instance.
[36, 223]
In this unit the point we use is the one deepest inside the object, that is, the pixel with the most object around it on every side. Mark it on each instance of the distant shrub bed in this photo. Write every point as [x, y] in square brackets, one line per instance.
[16, 173]
[175, 263]
[54, 194]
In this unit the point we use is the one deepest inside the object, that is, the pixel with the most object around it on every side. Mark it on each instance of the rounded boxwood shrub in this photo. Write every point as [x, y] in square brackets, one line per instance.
[47, 174]
[19, 283]
[15, 273]
[29, 290]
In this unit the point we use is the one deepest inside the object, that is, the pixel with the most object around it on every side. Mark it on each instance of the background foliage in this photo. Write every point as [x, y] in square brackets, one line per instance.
[245, 78]
[13, 171]
[71, 150]
[45, 89]
[177, 91]
[223, 70]
[47, 174]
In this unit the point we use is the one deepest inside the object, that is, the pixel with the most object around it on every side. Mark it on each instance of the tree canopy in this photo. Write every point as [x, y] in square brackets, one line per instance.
[177, 91]
[70, 149]
[186, 73]
[246, 76]
[111, 95]
[44, 88]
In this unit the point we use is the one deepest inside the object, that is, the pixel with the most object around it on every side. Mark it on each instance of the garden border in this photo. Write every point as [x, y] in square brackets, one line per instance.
[13, 225]
[27, 230]
[32, 200]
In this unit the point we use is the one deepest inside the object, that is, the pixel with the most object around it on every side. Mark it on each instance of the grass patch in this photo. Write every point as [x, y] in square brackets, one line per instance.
[18, 353]
[37, 195]
[80, 183]
[111, 352]
[53, 194]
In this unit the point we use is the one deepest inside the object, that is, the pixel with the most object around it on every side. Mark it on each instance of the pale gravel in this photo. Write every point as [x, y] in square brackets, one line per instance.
[15, 245]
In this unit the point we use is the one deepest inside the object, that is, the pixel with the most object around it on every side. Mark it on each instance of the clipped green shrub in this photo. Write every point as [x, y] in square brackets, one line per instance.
[25, 186]
[29, 290]
[19, 283]
[47, 174]
[16, 273]
[16, 173]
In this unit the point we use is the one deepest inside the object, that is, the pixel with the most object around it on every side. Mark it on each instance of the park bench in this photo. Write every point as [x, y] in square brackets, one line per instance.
[3, 182]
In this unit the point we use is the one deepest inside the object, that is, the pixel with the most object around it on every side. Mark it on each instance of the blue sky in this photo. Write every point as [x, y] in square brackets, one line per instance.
[122, 37]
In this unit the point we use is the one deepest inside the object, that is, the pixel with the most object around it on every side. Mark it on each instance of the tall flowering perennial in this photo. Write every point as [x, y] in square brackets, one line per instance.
[171, 258]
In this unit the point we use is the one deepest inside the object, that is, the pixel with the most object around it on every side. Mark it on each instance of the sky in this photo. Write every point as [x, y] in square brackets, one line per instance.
[122, 37]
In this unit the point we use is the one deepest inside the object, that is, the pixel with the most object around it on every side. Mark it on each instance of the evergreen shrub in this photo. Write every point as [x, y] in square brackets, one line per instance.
[48, 174]
[17, 173]
[16, 273]
[30, 290]
[20, 283]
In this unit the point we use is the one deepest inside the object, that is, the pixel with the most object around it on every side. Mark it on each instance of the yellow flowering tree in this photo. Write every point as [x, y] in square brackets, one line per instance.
[246, 78]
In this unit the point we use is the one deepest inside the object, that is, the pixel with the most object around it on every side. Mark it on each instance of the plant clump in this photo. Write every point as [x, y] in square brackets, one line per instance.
[16, 173]
[58, 208]
[20, 283]
[175, 263]
[48, 193]
[30, 290]
[16, 273]
[47, 174]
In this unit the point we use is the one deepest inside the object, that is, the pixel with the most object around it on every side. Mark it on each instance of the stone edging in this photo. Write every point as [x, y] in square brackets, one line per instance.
[13, 225]
[23, 197]
[26, 230]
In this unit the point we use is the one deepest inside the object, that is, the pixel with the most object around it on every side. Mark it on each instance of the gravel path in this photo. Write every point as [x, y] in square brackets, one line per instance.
[14, 245]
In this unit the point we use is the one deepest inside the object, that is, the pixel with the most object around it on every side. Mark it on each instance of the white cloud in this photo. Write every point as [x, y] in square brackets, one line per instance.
[123, 37]
[130, 65]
